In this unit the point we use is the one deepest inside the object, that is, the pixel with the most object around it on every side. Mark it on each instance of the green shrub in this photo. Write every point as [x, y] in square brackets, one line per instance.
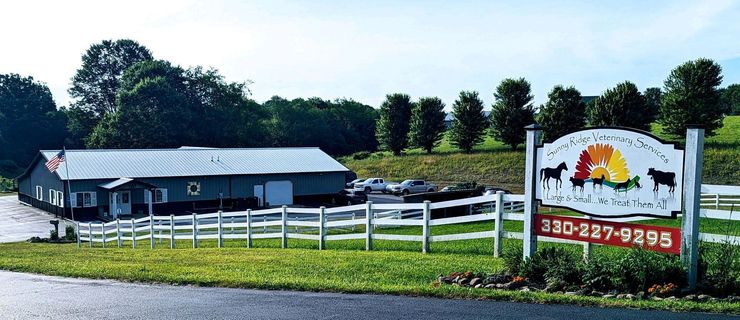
[598, 272]
[361, 155]
[512, 257]
[719, 268]
[552, 265]
[639, 269]
[53, 235]
[69, 233]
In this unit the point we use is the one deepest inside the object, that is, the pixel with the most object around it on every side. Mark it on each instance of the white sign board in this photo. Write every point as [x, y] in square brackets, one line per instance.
[608, 172]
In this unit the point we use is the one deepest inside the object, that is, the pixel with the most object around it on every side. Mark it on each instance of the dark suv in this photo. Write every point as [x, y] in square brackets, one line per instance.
[351, 196]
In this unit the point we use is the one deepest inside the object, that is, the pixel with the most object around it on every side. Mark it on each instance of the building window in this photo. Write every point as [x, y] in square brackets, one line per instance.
[52, 196]
[60, 199]
[39, 193]
[84, 199]
[160, 195]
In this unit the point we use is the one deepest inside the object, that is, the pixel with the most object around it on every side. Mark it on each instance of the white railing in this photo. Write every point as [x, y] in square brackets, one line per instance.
[314, 223]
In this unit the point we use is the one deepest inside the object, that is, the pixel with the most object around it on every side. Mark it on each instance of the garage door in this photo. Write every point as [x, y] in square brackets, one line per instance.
[278, 193]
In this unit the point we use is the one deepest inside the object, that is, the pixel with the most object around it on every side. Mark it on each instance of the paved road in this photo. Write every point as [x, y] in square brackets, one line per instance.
[19, 222]
[26, 296]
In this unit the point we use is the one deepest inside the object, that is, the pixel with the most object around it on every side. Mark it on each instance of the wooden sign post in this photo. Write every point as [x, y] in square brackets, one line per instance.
[692, 195]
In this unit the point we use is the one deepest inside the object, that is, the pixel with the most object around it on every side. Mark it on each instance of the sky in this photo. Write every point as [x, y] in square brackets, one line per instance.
[366, 49]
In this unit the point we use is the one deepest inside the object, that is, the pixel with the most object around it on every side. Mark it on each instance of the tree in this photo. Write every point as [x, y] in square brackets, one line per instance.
[563, 112]
[353, 121]
[393, 125]
[30, 122]
[299, 123]
[512, 111]
[653, 96]
[80, 123]
[692, 98]
[469, 124]
[731, 99]
[427, 123]
[622, 105]
[153, 110]
[96, 83]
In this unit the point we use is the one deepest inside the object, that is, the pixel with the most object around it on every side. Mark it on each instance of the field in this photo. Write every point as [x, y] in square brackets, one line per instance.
[495, 164]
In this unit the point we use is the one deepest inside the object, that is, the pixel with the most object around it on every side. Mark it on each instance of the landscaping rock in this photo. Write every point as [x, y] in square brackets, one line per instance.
[703, 297]
[630, 296]
[463, 281]
[608, 296]
[733, 299]
[621, 296]
[497, 279]
[490, 286]
[691, 297]
[572, 293]
[475, 282]
[478, 286]
[671, 298]
[641, 295]
[657, 299]
[525, 289]
[513, 285]
[597, 293]
[500, 286]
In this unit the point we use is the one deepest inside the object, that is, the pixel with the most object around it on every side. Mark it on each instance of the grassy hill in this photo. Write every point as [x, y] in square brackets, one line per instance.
[495, 164]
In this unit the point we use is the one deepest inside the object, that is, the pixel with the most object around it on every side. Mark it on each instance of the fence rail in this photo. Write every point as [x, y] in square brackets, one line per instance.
[314, 223]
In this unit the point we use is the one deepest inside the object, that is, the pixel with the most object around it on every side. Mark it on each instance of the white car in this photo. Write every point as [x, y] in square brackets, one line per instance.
[372, 184]
[411, 186]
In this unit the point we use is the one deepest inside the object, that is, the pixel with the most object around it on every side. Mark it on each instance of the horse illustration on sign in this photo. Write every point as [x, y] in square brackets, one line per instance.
[547, 173]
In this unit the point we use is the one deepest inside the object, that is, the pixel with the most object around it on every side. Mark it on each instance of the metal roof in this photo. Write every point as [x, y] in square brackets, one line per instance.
[115, 183]
[149, 163]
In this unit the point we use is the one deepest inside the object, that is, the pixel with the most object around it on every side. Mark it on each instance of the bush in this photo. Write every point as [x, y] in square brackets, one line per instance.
[362, 155]
[53, 235]
[598, 272]
[552, 265]
[719, 268]
[639, 269]
[512, 257]
[69, 233]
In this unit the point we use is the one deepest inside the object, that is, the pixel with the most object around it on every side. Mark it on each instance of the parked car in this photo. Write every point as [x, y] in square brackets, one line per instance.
[351, 196]
[372, 184]
[411, 186]
[351, 184]
[466, 186]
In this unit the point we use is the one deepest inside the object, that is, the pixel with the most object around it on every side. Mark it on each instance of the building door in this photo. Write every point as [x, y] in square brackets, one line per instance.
[259, 193]
[278, 193]
[123, 203]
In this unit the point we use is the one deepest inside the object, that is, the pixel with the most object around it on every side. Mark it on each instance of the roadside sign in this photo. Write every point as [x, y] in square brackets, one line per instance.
[655, 238]
[611, 172]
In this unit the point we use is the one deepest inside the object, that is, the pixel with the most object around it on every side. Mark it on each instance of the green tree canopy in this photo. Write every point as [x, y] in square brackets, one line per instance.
[469, 124]
[30, 122]
[427, 123]
[563, 112]
[96, 82]
[731, 98]
[692, 98]
[512, 111]
[622, 105]
[653, 97]
[393, 125]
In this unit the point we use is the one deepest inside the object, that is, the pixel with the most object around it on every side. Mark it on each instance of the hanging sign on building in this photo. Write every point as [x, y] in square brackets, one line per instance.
[611, 172]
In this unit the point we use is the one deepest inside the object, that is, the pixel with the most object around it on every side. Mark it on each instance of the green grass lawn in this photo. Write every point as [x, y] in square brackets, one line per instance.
[393, 267]
[494, 163]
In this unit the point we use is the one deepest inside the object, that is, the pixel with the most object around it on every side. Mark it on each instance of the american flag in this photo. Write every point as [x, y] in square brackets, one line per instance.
[55, 162]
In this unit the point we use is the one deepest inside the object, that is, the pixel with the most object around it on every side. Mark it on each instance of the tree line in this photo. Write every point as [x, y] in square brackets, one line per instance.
[124, 97]
[690, 95]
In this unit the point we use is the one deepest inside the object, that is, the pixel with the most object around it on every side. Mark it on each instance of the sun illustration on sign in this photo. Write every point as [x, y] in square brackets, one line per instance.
[602, 159]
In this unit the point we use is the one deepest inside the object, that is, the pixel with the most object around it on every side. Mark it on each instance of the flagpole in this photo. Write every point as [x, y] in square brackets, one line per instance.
[69, 188]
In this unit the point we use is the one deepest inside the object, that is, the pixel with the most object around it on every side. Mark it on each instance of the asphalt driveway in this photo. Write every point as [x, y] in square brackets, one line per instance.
[19, 222]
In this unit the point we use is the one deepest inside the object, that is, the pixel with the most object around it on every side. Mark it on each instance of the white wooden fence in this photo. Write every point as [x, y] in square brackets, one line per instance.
[314, 223]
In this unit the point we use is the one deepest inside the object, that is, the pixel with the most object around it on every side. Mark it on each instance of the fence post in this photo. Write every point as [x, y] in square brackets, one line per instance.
[151, 231]
[264, 227]
[118, 232]
[693, 161]
[220, 230]
[79, 241]
[530, 189]
[102, 228]
[284, 242]
[159, 223]
[369, 226]
[172, 231]
[426, 216]
[89, 233]
[195, 230]
[249, 228]
[353, 219]
[322, 228]
[133, 234]
[498, 224]
[716, 201]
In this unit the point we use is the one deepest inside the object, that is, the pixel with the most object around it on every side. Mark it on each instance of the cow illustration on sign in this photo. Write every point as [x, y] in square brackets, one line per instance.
[660, 177]
[547, 173]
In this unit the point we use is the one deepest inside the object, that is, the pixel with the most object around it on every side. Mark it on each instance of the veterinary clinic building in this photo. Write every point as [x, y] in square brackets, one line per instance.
[113, 183]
